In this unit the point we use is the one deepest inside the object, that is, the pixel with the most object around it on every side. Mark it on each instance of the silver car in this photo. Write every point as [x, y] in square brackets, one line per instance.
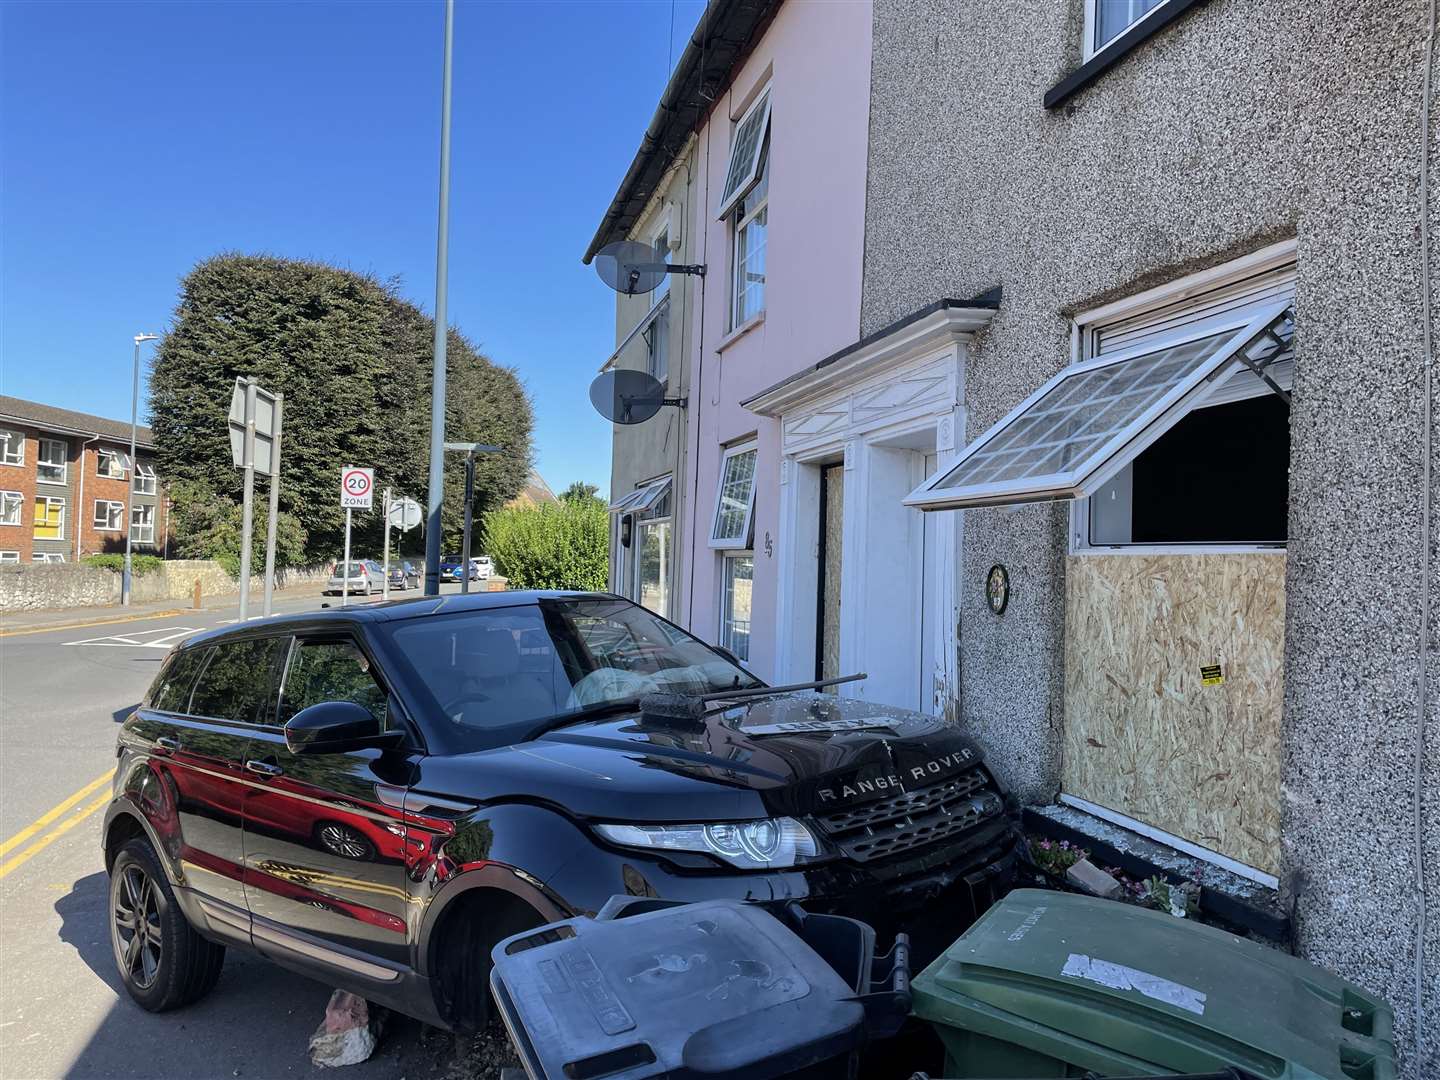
[366, 576]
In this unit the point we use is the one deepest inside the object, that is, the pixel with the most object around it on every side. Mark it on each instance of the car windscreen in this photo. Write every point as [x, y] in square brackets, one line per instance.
[494, 675]
[356, 570]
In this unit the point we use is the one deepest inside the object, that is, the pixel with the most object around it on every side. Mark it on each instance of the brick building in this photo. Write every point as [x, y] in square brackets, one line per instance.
[67, 485]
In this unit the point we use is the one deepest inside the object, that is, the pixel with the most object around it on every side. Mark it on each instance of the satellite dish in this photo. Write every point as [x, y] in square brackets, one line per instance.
[631, 267]
[625, 396]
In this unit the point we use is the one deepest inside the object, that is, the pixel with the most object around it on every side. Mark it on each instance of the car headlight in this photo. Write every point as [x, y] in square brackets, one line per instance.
[767, 844]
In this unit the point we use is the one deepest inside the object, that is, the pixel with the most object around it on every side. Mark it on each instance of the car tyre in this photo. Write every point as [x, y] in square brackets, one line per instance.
[162, 961]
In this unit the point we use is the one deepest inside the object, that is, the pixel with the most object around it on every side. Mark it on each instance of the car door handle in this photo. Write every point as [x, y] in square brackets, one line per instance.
[264, 768]
[166, 745]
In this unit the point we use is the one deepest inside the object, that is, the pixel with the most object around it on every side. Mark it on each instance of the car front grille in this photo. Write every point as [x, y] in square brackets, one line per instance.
[916, 819]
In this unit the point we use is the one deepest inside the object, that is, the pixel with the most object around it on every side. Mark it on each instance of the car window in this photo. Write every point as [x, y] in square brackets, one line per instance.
[236, 683]
[330, 671]
[172, 686]
[494, 673]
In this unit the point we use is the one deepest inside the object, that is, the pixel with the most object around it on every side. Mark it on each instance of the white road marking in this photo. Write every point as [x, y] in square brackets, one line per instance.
[169, 635]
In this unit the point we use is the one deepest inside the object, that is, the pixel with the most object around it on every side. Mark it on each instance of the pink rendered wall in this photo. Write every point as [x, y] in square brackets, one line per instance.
[816, 57]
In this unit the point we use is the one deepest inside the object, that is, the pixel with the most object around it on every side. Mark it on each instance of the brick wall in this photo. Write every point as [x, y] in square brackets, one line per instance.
[21, 478]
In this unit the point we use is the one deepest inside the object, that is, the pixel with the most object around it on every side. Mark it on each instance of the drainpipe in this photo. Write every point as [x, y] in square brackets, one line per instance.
[80, 502]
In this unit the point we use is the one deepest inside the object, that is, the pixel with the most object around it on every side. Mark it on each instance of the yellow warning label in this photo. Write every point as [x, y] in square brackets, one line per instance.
[1211, 675]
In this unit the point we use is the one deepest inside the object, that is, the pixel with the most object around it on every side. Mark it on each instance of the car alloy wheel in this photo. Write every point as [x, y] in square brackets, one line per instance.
[345, 842]
[137, 934]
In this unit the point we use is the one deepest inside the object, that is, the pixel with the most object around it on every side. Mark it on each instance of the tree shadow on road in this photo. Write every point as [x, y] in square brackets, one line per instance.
[255, 1023]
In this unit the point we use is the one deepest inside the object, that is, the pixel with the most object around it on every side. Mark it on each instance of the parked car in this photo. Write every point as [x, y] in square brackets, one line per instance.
[375, 796]
[484, 567]
[366, 576]
[452, 569]
[403, 575]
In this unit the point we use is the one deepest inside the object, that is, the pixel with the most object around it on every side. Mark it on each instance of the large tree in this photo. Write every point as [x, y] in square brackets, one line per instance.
[354, 360]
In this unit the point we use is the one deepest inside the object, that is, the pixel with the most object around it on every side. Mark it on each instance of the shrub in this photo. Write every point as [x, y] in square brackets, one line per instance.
[140, 565]
[564, 545]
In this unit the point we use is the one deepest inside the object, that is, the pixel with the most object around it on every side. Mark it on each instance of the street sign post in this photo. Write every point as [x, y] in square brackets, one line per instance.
[385, 558]
[255, 447]
[357, 490]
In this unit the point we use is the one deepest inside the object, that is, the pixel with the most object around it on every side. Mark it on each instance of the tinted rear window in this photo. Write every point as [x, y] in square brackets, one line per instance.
[172, 687]
[237, 683]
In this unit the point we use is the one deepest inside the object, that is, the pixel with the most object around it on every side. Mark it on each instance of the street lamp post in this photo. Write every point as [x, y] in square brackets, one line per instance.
[469, 449]
[435, 497]
[134, 471]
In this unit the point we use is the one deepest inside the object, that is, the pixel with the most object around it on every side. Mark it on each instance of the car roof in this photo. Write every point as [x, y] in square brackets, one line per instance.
[392, 611]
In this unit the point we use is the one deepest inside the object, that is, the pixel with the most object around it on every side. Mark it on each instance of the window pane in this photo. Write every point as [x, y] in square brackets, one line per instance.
[737, 486]
[1113, 16]
[172, 689]
[654, 561]
[330, 671]
[49, 518]
[12, 447]
[739, 585]
[750, 268]
[236, 685]
[51, 464]
[1080, 414]
[748, 139]
[10, 507]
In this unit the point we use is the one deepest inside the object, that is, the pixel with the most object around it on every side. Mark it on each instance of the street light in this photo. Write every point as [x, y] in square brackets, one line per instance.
[134, 472]
[469, 449]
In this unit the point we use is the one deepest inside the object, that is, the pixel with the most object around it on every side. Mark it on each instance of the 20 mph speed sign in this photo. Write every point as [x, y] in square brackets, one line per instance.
[357, 487]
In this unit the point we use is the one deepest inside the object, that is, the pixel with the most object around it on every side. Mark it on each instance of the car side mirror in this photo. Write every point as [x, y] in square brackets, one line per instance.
[336, 727]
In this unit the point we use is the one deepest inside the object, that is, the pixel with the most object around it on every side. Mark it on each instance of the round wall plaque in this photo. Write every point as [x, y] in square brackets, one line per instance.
[997, 588]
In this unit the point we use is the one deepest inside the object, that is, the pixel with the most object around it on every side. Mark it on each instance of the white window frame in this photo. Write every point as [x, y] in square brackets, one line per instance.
[654, 493]
[63, 465]
[646, 494]
[47, 556]
[746, 179]
[738, 287]
[118, 456]
[732, 543]
[724, 637]
[13, 437]
[17, 499]
[657, 346]
[142, 532]
[37, 523]
[9, 556]
[1092, 27]
[144, 483]
[1097, 466]
[113, 507]
[662, 287]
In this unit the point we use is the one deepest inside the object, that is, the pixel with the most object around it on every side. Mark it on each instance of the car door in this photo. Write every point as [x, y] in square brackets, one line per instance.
[203, 715]
[325, 839]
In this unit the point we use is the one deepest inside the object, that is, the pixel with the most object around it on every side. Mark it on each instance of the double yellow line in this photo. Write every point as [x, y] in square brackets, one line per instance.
[36, 830]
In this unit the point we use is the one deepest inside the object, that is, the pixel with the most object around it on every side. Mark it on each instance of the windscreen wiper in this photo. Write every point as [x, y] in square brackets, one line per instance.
[760, 691]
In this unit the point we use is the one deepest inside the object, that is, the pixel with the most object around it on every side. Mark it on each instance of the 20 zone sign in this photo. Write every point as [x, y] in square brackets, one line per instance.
[357, 487]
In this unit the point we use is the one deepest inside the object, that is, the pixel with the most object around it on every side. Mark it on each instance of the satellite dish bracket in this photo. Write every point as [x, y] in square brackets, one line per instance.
[678, 402]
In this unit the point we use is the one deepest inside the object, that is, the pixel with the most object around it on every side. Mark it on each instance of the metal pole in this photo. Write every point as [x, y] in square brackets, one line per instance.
[385, 559]
[436, 494]
[130, 489]
[274, 504]
[345, 566]
[469, 514]
[247, 519]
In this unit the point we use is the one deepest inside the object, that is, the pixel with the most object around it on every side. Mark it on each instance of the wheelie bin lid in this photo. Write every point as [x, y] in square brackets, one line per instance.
[1128, 991]
[715, 989]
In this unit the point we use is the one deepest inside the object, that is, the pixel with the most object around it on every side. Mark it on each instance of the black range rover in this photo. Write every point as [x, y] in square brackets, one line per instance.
[375, 796]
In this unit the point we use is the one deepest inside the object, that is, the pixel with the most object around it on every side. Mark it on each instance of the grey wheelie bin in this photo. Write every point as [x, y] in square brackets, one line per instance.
[1050, 984]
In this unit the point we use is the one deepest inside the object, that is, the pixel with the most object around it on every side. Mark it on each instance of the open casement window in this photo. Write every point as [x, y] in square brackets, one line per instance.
[744, 167]
[144, 478]
[111, 463]
[735, 499]
[1087, 423]
[643, 498]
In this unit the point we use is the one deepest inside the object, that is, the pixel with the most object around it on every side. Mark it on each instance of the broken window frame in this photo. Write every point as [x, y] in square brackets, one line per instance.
[1241, 336]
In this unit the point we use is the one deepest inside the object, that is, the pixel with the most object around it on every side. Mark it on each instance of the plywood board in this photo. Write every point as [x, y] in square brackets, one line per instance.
[1144, 734]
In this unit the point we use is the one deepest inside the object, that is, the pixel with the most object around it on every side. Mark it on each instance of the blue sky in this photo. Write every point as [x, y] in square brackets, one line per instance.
[139, 138]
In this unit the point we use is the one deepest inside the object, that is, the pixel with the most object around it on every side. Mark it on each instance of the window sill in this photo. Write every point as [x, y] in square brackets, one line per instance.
[1117, 50]
[739, 332]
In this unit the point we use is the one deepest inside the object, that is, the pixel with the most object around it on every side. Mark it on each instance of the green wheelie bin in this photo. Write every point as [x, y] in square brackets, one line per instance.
[1051, 984]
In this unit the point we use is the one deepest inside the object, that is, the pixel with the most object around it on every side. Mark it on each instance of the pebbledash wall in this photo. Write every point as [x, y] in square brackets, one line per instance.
[1241, 125]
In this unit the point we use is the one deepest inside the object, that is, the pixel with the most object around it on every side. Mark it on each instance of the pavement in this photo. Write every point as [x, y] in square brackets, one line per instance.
[63, 1013]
